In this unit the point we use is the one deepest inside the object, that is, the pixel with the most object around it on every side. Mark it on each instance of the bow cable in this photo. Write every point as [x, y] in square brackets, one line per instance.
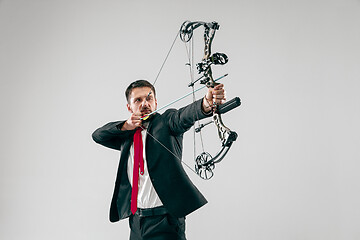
[190, 55]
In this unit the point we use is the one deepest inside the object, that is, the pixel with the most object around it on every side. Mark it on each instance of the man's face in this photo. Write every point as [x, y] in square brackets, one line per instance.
[140, 102]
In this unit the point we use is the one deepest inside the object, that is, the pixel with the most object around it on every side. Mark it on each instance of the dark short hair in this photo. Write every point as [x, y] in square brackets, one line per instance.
[138, 84]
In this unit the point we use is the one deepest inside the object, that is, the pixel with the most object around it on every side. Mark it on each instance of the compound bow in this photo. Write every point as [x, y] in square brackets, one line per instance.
[204, 162]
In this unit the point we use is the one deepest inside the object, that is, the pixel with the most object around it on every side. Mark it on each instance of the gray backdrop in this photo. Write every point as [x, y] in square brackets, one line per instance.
[293, 172]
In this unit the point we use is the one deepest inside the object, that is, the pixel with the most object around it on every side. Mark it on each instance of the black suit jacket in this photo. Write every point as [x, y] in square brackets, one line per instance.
[176, 191]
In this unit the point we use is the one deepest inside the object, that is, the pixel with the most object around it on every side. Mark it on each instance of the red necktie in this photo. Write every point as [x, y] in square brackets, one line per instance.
[138, 162]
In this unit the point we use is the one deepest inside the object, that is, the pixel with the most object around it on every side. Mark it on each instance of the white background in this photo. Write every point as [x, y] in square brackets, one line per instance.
[292, 173]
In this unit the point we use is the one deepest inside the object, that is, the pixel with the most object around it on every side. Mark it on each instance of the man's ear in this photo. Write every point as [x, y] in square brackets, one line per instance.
[129, 108]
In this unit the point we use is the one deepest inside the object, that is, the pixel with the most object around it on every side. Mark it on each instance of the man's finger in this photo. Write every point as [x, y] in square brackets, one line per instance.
[219, 96]
[220, 86]
[136, 116]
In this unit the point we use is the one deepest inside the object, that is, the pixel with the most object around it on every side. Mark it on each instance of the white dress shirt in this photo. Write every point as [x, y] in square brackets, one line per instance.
[147, 196]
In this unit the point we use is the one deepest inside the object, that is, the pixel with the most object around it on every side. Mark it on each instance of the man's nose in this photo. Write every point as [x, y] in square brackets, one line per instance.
[144, 103]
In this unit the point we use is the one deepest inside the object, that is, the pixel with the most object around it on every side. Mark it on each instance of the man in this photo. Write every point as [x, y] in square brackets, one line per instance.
[158, 199]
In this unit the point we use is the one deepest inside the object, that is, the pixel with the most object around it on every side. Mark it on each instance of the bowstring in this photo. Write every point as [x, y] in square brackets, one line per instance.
[167, 55]
[162, 65]
[156, 78]
[177, 157]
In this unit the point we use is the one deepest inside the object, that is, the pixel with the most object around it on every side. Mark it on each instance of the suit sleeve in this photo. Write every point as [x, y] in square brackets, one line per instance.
[179, 121]
[110, 135]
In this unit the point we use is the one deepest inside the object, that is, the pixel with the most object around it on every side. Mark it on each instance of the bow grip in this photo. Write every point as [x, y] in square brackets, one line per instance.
[229, 105]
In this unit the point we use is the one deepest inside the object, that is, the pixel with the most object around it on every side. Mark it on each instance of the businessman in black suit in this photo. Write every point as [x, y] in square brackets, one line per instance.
[164, 194]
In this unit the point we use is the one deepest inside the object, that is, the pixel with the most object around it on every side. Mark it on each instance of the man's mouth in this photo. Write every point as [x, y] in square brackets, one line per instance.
[145, 111]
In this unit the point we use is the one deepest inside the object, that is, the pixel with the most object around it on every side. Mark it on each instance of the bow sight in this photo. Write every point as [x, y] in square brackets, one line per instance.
[216, 58]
